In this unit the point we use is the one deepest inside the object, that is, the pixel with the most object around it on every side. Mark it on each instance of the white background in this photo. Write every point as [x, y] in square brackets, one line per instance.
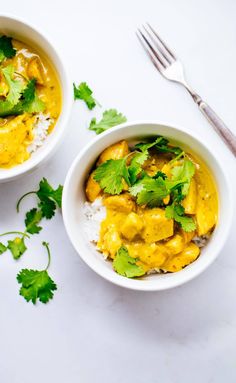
[93, 331]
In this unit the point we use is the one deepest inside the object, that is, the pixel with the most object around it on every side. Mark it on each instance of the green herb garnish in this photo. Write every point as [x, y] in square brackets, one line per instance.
[37, 284]
[83, 92]
[111, 175]
[109, 119]
[125, 265]
[176, 211]
[6, 47]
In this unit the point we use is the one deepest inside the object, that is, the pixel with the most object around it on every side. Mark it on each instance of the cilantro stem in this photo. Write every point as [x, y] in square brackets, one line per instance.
[15, 232]
[45, 244]
[19, 201]
[177, 157]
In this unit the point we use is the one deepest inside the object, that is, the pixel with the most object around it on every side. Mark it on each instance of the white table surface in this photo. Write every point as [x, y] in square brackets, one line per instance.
[93, 331]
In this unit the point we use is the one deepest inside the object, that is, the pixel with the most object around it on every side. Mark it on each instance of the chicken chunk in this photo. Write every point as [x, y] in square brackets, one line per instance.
[190, 201]
[35, 70]
[156, 225]
[123, 203]
[132, 226]
[114, 152]
[110, 243]
[93, 189]
[187, 256]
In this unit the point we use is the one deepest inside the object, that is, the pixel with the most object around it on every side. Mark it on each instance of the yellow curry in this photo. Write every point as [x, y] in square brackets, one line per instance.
[161, 206]
[30, 100]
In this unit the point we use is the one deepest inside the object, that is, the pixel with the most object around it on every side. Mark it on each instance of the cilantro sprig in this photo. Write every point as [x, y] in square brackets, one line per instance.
[111, 175]
[6, 48]
[126, 265]
[49, 200]
[110, 118]
[37, 284]
[176, 211]
[83, 92]
[16, 246]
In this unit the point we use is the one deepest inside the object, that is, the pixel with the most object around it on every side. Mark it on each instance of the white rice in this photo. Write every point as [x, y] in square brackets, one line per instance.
[94, 213]
[40, 131]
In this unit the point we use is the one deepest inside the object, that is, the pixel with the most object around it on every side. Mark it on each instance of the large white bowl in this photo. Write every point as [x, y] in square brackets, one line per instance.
[21, 30]
[74, 197]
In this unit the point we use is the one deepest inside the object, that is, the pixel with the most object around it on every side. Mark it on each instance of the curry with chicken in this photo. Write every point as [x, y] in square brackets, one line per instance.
[30, 100]
[161, 206]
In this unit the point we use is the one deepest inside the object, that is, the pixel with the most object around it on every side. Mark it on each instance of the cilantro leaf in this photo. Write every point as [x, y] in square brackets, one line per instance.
[161, 144]
[135, 167]
[46, 191]
[29, 102]
[176, 211]
[160, 174]
[2, 56]
[150, 191]
[109, 119]
[33, 217]
[83, 92]
[6, 47]
[15, 86]
[183, 173]
[125, 265]
[110, 175]
[17, 247]
[36, 285]
[47, 207]
[3, 248]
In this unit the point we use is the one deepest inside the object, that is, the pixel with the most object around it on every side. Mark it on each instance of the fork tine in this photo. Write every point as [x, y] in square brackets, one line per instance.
[155, 41]
[155, 57]
[162, 42]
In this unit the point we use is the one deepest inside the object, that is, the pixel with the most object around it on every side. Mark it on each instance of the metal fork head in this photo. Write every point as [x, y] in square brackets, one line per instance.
[161, 55]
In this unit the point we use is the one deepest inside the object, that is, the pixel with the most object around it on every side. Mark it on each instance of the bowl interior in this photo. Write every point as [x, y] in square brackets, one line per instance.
[74, 197]
[22, 31]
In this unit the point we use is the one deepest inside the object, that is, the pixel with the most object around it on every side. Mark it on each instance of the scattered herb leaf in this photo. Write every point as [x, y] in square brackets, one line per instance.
[83, 92]
[33, 217]
[109, 119]
[17, 247]
[3, 248]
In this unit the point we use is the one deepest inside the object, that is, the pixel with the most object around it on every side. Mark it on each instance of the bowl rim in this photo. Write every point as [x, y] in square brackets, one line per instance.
[9, 174]
[127, 282]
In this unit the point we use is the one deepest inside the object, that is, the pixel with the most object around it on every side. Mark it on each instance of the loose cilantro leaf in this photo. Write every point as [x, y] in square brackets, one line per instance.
[183, 173]
[110, 175]
[125, 265]
[49, 198]
[176, 211]
[17, 247]
[109, 119]
[3, 248]
[6, 47]
[37, 284]
[33, 217]
[83, 92]
[15, 86]
[135, 167]
[150, 191]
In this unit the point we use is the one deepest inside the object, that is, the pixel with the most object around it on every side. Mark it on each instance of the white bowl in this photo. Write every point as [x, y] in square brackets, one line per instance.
[74, 197]
[21, 30]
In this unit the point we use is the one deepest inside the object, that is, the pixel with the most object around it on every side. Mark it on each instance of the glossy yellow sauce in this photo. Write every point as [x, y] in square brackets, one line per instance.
[16, 132]
[156, 241]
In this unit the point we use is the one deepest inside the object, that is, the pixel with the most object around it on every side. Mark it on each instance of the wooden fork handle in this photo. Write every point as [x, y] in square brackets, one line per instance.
[219, 126]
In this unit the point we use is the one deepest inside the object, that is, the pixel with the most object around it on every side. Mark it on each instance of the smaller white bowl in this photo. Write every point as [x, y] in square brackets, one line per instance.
[21, 30]
[74, 197]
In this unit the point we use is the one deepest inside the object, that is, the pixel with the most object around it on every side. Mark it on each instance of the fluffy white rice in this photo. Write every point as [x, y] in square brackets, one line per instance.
[40, 131]
[94, 213]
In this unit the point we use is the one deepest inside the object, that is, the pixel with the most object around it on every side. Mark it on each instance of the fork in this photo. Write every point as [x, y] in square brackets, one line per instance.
[172, 69]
